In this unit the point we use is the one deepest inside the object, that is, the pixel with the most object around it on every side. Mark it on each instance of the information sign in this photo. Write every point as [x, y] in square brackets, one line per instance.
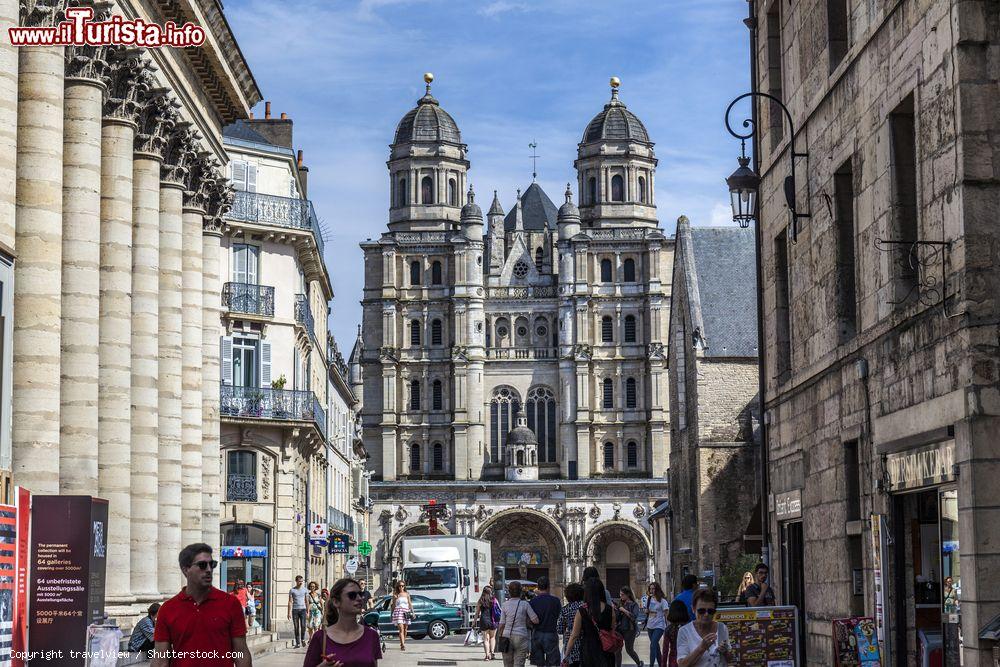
[762, 636]
[351, 565]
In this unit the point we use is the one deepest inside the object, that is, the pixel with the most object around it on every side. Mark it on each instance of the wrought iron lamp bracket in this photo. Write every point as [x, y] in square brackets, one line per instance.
[789, 184]
[918, 259]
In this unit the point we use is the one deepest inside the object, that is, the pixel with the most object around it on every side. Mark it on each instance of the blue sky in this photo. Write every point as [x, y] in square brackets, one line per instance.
[509, 72]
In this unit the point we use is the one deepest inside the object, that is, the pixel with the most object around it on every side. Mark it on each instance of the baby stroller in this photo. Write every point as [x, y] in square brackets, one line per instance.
[381, 638]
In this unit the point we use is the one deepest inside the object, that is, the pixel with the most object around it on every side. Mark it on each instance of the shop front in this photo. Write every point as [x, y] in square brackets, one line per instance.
[926, 581]
[245, 558]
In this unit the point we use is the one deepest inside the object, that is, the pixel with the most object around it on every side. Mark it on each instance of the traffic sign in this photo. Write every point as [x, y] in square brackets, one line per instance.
[365, 548]
[351, 565]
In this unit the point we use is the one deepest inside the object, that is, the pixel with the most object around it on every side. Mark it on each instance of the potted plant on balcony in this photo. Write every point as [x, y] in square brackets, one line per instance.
[279, 398]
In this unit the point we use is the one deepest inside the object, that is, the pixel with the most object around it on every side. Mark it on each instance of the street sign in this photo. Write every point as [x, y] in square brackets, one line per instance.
[339, 544]
[365, 548]
[317, 531]
[351, 565]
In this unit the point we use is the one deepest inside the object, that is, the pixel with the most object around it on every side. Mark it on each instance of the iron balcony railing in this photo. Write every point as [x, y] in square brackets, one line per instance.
[278, 404]
[274, 210]
[241, 488]
[249, 299]
[340, 521]
[304, 316]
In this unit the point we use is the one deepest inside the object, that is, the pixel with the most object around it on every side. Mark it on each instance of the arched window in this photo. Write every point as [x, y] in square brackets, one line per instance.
[437, 462]
[436, 273]
[617, 188]
[628, 269]
[541, 414]
[642, 189]
[414, 394]
[402, 196]
[415, 457]
[437, 400]
[632, 454]
[427, 190]
[630, 328]
[607, 330]
[609, 456]
[608, 394]
[519, 457]
[452, 192]
[631, 399]
[504, 407]
[606, 271]
[592, 190]
[414, 333]
[539, 258]
[436, 337]
[415, 272]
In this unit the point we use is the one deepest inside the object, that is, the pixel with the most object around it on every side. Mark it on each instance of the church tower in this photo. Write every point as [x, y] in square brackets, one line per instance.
[616, 168]
[427, 168]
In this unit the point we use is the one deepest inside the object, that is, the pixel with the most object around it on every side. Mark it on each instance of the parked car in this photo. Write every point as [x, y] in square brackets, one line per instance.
[432, 618]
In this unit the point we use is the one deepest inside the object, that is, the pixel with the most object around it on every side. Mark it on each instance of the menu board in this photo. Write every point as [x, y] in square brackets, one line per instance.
[854, 642]
[762, 636]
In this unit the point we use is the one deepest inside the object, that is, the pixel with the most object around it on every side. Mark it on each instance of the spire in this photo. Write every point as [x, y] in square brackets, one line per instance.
[569, 194]
[518, 219]
[427, 98]
[495, 207]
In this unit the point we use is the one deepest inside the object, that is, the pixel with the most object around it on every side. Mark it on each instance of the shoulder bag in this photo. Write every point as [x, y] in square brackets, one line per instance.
[503, 643]
[611, 640]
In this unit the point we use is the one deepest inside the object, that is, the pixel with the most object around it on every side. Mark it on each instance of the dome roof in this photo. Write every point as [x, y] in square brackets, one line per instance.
[471, 211]
[521, 435]
[427, 122]
[615, 121]
[569, 210]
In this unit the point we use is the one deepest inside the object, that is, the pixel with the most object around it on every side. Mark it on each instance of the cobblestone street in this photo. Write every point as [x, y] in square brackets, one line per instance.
[427, 653]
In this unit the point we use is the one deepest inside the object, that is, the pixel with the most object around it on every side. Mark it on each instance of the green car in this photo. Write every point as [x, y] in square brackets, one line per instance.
[432, 618]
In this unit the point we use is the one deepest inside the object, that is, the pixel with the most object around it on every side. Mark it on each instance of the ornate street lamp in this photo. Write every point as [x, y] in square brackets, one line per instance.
[743, 184]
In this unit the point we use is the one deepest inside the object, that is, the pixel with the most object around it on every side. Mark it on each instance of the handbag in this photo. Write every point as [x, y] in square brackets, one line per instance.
[503, 643]
[611, 640]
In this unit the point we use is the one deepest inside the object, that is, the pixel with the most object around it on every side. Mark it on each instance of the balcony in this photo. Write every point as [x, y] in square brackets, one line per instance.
[272, 404]
[525, 292]
[248, 299]
[340, 521]
[288, 212]
[522, 353]
[304, 317]
[241, 488]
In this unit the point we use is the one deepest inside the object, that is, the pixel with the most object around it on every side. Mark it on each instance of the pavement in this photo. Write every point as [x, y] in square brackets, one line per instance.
[426, 653]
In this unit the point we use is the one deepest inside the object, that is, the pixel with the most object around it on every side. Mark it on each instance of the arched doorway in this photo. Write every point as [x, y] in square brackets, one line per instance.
[527, 544]
[621, 552]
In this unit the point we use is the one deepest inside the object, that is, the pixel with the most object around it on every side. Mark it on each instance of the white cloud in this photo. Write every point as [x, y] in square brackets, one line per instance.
[722, 215]
[498, 7]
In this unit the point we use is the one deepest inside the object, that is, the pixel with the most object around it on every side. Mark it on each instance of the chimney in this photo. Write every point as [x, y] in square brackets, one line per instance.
[284, 116]
[267, 110]
[303, 176]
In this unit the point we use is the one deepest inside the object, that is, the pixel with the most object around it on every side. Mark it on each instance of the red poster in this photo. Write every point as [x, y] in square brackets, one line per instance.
[19, 641]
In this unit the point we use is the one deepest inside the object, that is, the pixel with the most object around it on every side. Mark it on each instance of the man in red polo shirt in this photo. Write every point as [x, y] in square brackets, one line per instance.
[201, 626]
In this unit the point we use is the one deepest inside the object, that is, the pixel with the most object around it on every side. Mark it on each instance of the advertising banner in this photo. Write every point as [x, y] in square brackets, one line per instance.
[12, 578]
[19, 640]
[762, 636]
[855, 643]
[66, 591]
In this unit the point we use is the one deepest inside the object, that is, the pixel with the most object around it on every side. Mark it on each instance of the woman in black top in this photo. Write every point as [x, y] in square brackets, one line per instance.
[595, 610]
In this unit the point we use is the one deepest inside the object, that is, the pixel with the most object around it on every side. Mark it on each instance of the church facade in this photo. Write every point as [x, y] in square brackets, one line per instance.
[514, 365]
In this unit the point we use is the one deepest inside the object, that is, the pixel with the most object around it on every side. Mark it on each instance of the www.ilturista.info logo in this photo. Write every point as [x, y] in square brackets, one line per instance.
[79, 30]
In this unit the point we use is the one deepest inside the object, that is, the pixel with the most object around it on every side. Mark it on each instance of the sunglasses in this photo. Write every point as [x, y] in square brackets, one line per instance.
[353, 595]
[206, 564]
[709, 611]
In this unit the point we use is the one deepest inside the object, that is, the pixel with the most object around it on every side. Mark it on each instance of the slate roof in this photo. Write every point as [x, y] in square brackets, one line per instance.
[722, 287]
[427, 122]
[537, 211]
[243, 131]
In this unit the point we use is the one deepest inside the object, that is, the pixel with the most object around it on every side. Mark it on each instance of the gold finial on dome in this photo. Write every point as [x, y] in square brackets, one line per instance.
[428, 77]
[615, 82]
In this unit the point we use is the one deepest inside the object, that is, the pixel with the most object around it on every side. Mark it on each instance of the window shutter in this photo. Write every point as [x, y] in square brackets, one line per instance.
[251, 178]
[238, 170]
[296, 380]
[265, 364]
[227, 360]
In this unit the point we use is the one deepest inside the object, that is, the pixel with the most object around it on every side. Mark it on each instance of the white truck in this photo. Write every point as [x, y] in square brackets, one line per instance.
[449, 569]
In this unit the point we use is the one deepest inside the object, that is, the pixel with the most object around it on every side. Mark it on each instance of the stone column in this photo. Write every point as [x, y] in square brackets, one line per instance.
[81, 261]
[9, 16]
[155, 119]
[114, 456]
[169, 422]
[191, 353]
[38, 269]
[218, 202]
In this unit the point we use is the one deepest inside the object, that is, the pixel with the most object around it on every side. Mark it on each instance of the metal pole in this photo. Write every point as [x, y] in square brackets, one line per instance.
[761, 346]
